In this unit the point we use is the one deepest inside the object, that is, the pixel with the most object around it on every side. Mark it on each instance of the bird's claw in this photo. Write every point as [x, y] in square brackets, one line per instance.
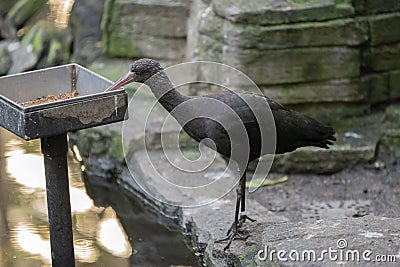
[236, 232]
[241, 221]
[233, 235]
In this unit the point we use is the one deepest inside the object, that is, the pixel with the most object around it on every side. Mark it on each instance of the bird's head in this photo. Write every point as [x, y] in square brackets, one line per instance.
[141, 70]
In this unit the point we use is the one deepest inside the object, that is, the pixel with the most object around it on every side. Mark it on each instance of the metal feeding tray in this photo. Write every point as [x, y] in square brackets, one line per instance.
[51, 122]
[92, 107]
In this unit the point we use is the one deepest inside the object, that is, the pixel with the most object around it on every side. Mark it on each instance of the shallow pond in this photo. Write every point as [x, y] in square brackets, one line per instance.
[110, 227]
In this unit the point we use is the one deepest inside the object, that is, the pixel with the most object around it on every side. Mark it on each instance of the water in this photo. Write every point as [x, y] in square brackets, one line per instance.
[110, 227]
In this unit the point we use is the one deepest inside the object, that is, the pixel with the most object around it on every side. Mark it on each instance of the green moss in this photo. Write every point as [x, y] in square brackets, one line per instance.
[24, 9]
[248, 256]
[105, 22]
[116, 148]
[55, 49]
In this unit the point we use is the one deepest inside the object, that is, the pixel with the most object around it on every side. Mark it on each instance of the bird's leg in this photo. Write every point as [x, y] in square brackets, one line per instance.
[240, 202]
[243, 192]
[234, 231]
[235, 224]
[243, 217]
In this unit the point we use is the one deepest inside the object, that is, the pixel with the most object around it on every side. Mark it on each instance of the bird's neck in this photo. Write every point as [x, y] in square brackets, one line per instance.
[165, 92]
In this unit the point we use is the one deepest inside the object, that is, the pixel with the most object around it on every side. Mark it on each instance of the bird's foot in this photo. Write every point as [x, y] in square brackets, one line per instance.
[236, 232]
[241, 221]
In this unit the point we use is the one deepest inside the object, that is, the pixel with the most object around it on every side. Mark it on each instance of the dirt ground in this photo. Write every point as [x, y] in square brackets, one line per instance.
[354, 192]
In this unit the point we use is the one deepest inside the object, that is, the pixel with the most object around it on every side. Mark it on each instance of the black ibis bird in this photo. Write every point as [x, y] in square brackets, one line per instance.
[291, 129]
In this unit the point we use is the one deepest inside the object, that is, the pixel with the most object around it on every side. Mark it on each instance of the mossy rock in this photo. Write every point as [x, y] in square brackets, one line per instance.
[392, 116]
[364, 7]
[137, 46]
[377, 86]
[5, 58]
[394, 84]
[384, 29]
[338, 90]
[5, 6]
[382, 57]
[52, 45]
[347, 32]
[156, 29]
[391, 141]
[272, 12]
[7, 29]
[309, 160]
[357, 139]
[271, 67]
[23, 10]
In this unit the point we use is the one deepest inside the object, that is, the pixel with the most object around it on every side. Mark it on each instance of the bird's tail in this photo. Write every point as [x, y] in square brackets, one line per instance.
[296, 130]
[317, 134]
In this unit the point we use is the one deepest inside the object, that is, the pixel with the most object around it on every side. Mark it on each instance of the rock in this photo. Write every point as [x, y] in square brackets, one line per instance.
[5, 6]
[197, 11]
[356, 143]
[23, 10]
[391, 141]
[138, 46]
[332, 111]
[322, 161]
[349, 237]
[288, 65]
[5, 58]
[338, 90]
[85, 23]
[56, 55]
[364, 7]
[377, 86]
[383, 57]
[22, 56]
[382, 87]
[7, 29]
[50, 44]
[137, 28]
[111, 68]
[284, 65]
[392, 116]
[385, 29]
[394, 84]
[346, 32]
[271, 12]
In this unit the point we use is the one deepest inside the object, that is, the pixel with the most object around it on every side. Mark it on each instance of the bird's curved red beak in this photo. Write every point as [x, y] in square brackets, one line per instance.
[127, 78]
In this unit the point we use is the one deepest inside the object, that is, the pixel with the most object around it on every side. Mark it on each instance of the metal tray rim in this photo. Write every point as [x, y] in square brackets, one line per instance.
[60, 102]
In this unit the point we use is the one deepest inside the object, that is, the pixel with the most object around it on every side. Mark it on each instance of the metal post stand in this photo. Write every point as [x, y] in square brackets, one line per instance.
[54, 150]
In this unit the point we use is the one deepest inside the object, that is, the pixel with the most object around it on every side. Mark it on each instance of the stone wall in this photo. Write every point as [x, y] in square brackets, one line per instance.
[154, 28]
[329, 58]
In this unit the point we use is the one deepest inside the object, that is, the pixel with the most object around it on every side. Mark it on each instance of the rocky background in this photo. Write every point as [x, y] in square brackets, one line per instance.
[337, 60]
[332, 59]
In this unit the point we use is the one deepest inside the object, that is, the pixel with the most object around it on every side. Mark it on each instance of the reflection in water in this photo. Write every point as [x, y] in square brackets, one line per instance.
[107, 225]
[27, 211]
[80, 201]
[31, 242]
[85, 251]
[111, 236]
[27, 170]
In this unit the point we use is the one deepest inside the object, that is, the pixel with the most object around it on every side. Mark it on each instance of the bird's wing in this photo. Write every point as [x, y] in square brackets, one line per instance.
[291, 129]
[248, 106]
